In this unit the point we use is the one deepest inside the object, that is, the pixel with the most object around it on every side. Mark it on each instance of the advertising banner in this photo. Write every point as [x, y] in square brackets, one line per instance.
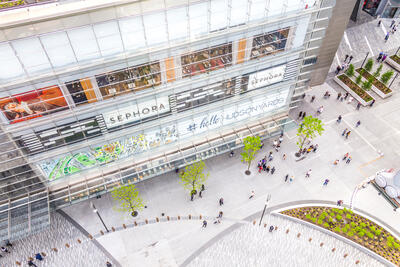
[137, 112]
[266, 77]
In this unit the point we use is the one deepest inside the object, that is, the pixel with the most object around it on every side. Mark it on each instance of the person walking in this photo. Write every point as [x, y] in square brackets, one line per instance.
[379, 23]
[108, 264]
[286, 178]
[320, 110]
[220, 214]
[204, 224]
[372, 103]
[4, 249]
[291, 179]
[344, 132]
[203, 187]
[387, 36]
[391, 24]
[221, 201]
[336, 162]
[201, 194]
[346, 57]
[30, 263]
[304, 114]
[348, 134]
[358, 106]
[326, 182]
[338, 69]
[300, 114]
[350, 100]
[339, 119]
[267, 169]
[192, 195]
[338, 96]
[39, 257]
[308, 173]
[252, 194]
[384, 57]
[345, 156]
[315, 148]
[312, 99]
[348, 160]
[271, 228]
[346, 95]
[380, 56]
[272, 170]
[350, 58]
[339, 203]
[284, 157]
[358, 123]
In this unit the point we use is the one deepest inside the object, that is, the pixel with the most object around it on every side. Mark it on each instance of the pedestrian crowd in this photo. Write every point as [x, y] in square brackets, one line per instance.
[345, 65]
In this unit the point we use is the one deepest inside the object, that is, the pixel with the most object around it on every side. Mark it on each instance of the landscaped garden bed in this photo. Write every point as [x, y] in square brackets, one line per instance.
[378, 87]
[394, 61]
[352, 226]
[10, 3]
[357, 92]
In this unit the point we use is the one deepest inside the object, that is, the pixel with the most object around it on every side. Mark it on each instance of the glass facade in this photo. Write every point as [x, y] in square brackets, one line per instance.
[91, 105]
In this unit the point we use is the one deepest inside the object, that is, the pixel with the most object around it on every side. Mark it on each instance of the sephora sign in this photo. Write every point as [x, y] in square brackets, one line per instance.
[136, 112]
[266, 77]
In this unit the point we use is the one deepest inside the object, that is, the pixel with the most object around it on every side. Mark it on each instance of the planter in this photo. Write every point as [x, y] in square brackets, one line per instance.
[134, 213]
[247, 172]
[364, 100]
[378, 87]
[393, 63]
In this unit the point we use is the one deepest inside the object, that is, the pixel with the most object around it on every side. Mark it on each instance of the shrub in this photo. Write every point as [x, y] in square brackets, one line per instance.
[337, 229]
[348, 216]
[357, 229]
[345, 210]
[396, 245]
[320, 221]
[366, 85]
[339, 218]
[308, 216]
[386, 76]
[314, 219]
[332, 214]
[378, 71]
[353, 224]
[326, 225]
[330, 219]
[370, 235]
[360, 234]
[389, 244]
[378, 232]
[350, 70]
[358, 79]
[369, 65]
[344, 230]
[372, 228]
[363, 225]
[340, 212]
[350, 233]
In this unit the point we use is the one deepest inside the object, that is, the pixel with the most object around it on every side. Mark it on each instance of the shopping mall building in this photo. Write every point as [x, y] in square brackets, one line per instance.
[94, 94]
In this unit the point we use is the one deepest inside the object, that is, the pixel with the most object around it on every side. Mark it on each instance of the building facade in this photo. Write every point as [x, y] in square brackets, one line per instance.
[105, 95]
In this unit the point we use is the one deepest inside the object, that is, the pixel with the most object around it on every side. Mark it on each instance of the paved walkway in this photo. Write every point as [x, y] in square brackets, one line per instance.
[379, 131]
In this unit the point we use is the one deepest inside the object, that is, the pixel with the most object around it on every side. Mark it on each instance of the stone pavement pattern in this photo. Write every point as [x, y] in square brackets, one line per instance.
[255, 246]
[59, 233]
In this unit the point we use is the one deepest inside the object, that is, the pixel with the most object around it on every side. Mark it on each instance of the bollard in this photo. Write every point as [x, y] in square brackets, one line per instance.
[101, 232]
[287, 231]
[190, 217]
[200, 217]
[167, 218]
[157, 220]
[298, 235]
[113, 229]
[124, 226]
[79, 241]
[179, 217]
[146, 221]
[309, 240]
[67, 245]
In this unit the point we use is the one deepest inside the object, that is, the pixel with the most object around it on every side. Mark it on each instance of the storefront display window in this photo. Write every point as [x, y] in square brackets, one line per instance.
[130, 79]
[81, 91]
[370, 6]
[33, 104]
[137, 143]
[269, 43]
[207, 60]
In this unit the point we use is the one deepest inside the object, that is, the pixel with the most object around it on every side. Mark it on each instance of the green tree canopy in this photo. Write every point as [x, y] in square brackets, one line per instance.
[193, 176]
[309, 129]
[369, 65]
[386, 76]
[350, 70]
[251, 146]
[128, 198]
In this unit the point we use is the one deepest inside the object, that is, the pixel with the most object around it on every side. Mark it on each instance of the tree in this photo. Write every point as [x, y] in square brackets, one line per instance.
[128, 199]
[350, 70]
[378, 71]
[358, 79]
[251, 146]
[367, 84]
[369, 65]
[309, 129]
[386, 76]
[193, 177]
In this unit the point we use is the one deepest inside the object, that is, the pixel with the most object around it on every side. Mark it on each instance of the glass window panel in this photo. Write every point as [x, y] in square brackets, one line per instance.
[84, 43]
[257, 9]
[58, 49]
[132, 33]
[294, 5]
[31, 54]
[238, 12]
[198, 19]
[275, 8]
[155, 28]
[177, 23]
[10, 66]
[108, 38]
[219, 14]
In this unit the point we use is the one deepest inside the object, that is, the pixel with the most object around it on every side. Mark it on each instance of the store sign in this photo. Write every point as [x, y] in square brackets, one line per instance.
[136, 112]
[266, 77]
[233, 114]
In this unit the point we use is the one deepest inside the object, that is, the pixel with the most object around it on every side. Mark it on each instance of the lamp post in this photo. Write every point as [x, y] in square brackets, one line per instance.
[365, 59]
[98, 214]
[265, 207]
[393, 80]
